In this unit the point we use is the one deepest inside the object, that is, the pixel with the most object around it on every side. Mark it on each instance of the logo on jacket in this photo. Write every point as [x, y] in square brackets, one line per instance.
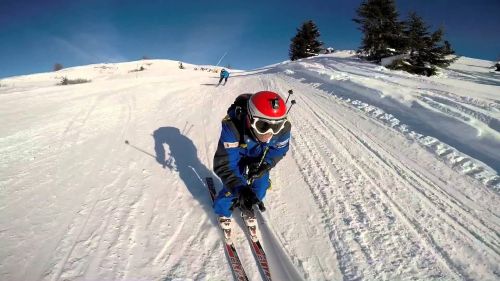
[231, 144]
[282, 143]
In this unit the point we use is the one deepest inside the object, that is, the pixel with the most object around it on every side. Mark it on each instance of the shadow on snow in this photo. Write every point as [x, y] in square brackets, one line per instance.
[183, 158]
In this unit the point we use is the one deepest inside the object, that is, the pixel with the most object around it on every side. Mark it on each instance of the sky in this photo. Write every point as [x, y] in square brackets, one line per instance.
[34, 35]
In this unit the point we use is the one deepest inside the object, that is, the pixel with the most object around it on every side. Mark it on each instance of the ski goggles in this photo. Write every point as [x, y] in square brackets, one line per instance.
[264, 126]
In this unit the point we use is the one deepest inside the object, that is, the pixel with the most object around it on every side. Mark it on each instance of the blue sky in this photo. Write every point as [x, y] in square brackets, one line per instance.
[35, 34]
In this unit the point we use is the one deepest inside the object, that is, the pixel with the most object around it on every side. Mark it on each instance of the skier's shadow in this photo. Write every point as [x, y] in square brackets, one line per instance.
[184, 159]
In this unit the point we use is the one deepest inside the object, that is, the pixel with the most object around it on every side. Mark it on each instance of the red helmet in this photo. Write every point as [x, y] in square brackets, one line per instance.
[267, 112]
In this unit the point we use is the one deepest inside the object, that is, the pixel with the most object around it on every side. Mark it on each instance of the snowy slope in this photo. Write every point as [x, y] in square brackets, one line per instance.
[390, 176]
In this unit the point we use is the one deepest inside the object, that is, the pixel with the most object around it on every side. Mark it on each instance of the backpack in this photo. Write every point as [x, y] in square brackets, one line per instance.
[239, 106]
[237, 112]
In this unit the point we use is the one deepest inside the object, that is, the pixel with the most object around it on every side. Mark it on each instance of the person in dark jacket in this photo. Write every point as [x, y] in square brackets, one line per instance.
[224, 74]
[254, 138]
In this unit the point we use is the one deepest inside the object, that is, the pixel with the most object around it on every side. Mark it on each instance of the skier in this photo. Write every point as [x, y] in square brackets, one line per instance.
[224, 74]
[254, 138]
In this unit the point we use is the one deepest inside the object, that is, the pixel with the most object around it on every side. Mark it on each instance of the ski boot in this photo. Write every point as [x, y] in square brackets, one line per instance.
[225, 225]
[251, 223]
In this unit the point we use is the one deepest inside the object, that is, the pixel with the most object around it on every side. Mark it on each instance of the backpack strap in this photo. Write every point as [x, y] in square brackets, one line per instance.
[237, 112]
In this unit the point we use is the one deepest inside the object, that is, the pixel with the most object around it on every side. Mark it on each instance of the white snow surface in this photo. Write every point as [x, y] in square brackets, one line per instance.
[390, 176]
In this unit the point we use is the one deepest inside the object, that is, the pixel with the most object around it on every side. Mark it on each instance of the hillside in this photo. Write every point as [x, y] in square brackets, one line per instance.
[390, 176]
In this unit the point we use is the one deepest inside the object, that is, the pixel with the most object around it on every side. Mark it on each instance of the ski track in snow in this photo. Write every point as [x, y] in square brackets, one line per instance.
[318, 76]
[359, 196]
[361, 226]
[377, 197]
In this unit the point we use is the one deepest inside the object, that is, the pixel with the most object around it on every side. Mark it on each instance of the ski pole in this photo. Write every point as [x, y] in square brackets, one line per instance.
[260, 204]
[290, 92]
[292, 103]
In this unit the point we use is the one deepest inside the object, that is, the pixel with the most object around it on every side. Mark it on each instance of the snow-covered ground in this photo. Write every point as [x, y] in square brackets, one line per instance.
[390, 176]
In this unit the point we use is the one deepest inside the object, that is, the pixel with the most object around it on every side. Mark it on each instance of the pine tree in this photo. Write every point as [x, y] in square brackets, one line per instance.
[447, 48]
[416, 34]
[57, 67]
[306, 42]
[382, 31]
[418, 42]
[439, 50]
[425, 50]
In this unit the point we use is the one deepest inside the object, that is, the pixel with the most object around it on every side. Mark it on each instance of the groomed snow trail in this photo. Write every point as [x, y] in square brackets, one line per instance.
[387, 216]
[102, 181]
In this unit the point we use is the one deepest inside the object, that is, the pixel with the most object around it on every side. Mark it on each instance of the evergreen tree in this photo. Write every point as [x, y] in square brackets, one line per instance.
[306, 42]
[382, 32]
[418, 41]
[425, 50]
[416, 34]
[57, 67]
[447, 48]
[439, 50]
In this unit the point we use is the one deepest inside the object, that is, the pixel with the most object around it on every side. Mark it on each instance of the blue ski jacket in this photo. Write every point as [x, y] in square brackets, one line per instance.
[237, 146]
[224, 74]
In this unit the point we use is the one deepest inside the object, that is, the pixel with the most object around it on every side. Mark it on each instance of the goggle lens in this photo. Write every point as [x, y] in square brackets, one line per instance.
[262, 126]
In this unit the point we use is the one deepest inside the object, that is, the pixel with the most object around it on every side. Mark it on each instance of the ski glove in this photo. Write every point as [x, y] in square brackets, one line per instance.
[247, 199]
[259, 171]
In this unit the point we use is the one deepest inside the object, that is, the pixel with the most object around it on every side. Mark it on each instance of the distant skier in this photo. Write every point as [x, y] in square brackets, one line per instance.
[224, 74]
[254, 138]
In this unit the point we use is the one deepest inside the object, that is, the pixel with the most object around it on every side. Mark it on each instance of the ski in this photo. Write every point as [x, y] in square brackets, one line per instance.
[258, 251]
[234, 260]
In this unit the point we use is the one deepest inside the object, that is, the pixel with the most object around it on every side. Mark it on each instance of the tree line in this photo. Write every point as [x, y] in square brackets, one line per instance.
[409, 42]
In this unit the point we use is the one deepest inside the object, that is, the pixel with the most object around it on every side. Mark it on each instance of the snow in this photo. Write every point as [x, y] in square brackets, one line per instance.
[390, 176]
